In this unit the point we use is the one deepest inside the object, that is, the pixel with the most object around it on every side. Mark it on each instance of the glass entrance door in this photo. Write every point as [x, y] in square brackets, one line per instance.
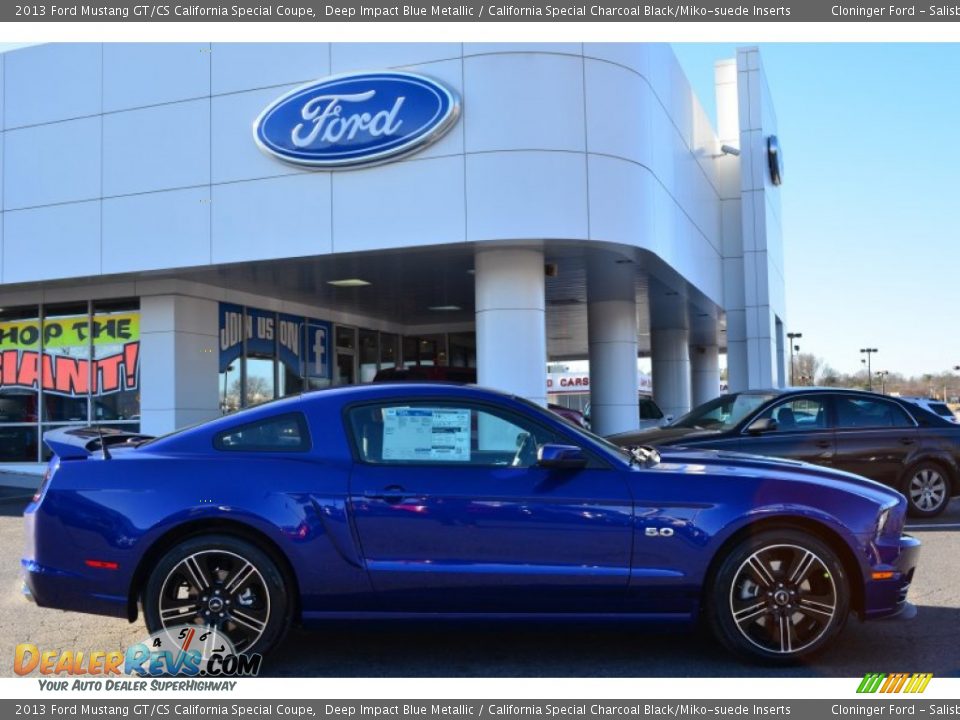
[346, 367]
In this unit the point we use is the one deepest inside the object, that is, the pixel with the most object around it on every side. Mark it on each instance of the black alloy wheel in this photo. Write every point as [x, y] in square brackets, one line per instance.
[779, 597]
[220, 582]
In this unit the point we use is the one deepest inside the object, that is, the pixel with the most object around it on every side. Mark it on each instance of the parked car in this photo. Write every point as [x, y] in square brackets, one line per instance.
[937, 407]
[443, 373]
[884, 438]
[650, 413]
[405, 500]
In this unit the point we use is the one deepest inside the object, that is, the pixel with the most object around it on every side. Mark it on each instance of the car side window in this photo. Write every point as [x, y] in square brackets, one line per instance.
[799, 414]
[280, 433]
[420, 433]
[857, 412]
[649, 410]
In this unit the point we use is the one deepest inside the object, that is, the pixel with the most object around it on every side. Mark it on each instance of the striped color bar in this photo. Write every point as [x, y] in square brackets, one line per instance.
[894, 682]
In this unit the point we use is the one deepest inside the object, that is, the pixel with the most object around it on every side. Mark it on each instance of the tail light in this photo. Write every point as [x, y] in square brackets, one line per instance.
[47, 474]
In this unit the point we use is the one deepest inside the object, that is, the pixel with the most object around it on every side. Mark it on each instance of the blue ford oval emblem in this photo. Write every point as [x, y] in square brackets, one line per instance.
[356, 119]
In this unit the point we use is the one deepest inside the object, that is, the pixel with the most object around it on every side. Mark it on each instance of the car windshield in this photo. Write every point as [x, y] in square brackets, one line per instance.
[723, 413]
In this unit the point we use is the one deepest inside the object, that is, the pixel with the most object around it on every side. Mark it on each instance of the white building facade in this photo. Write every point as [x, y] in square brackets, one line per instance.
[160, 266]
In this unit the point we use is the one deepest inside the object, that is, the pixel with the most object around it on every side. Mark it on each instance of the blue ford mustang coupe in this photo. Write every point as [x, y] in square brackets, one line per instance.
[430, 500]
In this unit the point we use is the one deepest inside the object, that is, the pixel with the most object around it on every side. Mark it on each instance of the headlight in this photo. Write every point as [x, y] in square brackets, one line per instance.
[890, 520]
[882, 521]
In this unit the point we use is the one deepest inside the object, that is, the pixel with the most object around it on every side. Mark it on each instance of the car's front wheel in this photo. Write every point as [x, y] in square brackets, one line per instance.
[927, 488]
[779, 597]
[221, 582]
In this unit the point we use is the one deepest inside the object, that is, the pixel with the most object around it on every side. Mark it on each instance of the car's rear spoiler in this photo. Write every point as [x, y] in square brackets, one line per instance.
[80, 442]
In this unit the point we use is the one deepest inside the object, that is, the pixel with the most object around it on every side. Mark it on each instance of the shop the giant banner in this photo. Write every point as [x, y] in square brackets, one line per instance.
[64, 366]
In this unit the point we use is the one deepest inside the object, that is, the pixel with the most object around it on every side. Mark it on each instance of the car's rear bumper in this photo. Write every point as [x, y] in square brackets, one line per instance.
[887, 597]
[52, 588]
[52, 578]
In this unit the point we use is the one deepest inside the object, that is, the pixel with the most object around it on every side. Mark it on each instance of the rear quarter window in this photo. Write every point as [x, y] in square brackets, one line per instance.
[280, 433]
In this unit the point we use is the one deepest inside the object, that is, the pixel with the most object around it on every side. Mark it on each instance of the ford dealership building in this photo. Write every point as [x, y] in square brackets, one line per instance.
[191, 228]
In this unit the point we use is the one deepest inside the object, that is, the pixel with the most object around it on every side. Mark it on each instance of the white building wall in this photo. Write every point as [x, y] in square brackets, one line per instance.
[146, 162]
[570, 141]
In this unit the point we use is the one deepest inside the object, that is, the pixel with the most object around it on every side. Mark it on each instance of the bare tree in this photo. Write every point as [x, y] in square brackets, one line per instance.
[258, 389]
[828, 377]
[942, 385]
[806, 367]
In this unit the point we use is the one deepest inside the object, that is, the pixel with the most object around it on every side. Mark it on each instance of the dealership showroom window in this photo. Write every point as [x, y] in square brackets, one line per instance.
[253, 248]
[65, 364]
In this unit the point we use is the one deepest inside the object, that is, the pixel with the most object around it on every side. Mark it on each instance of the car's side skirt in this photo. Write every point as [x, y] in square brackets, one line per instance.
[679, 618]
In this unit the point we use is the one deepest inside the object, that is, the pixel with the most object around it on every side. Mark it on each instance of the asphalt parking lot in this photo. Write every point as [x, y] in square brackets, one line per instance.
[929, 643]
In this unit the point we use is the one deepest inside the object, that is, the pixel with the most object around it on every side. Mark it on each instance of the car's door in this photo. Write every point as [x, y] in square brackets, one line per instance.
[803, 431]
[453, 513]
[874, 437]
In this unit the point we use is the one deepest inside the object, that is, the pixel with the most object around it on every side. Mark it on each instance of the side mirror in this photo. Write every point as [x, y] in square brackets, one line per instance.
[762, 425]
[560, 457]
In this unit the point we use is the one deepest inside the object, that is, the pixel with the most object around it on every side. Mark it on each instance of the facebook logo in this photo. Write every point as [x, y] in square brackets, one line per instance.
[318, 350]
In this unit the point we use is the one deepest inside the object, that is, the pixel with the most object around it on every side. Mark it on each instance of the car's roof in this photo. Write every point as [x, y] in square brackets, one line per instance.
[374, 390]
[383, 387]
[805, 389]
[338, 395]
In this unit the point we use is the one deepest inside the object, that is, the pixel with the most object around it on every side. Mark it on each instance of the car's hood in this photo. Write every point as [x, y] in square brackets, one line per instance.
[736, 463]
[661, 436]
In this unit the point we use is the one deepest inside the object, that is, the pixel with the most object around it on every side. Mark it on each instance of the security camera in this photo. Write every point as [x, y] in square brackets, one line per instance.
[730, 150]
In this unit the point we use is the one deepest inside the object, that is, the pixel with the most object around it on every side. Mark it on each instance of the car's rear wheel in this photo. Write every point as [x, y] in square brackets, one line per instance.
[927, 488]
[221, 582]
[779, 597]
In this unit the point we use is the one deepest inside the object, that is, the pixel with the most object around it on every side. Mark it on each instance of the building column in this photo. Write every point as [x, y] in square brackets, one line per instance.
[612, 343]
[704, 373]
[511, 322]
[751, 238]
[178, 362]
[670, 363]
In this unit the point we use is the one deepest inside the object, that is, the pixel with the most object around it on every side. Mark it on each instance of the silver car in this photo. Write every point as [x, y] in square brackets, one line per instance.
[651, 416]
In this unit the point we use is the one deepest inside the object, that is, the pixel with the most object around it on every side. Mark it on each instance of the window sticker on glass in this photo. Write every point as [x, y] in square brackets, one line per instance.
[432, 434]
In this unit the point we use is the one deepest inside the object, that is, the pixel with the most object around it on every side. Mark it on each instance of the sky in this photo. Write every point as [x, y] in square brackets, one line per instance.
[871, 143]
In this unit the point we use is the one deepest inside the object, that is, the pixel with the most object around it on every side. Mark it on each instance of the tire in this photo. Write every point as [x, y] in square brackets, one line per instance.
[779, 597]
[927, 488]
[224, 582]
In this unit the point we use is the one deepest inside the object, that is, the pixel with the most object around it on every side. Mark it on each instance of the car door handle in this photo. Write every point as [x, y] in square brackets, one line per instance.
[907, 441]
[823, 444]
[391, 493]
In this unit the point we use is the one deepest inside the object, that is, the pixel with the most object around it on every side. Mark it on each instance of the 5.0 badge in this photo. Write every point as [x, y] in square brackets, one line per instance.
[658, 532]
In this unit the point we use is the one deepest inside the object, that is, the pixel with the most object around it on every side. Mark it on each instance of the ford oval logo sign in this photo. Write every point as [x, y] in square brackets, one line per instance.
[356, 119]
